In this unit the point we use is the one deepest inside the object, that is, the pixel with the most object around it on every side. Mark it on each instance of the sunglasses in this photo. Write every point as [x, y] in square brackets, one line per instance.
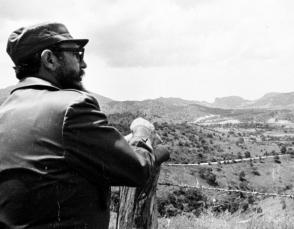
[78, 52]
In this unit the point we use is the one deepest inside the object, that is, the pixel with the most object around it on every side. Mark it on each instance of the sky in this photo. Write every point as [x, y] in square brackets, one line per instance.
[191, 49]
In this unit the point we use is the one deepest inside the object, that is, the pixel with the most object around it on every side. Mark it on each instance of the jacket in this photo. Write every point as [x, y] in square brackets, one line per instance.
[59, 157]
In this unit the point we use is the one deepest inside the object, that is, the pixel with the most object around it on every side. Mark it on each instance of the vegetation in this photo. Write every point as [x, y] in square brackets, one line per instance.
[190, 143]
[225, 221]
[180, 201]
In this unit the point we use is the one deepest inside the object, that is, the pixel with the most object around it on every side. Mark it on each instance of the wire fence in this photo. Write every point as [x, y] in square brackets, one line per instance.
[291, 196]
[198, 186]
[231, 161]
[125, 211]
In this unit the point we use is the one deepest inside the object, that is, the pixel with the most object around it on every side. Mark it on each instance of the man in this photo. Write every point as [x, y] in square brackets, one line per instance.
[58, 156]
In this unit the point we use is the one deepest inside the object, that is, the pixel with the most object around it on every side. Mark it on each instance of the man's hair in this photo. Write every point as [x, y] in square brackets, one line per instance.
[30, 66]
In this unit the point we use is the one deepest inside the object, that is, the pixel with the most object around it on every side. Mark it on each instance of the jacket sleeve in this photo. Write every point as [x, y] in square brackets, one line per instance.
[98, 151]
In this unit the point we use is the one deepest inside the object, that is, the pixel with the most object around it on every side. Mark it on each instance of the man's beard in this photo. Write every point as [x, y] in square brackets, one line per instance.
[70, 79]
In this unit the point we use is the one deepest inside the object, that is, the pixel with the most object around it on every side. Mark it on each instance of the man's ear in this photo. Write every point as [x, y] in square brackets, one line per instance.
[49, 60]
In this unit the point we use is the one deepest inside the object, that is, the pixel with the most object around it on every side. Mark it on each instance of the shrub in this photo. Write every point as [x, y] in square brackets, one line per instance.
[242, 176]
[255, 171]
[283, 150]
[277, 159]
[179, 201]
[232, 203]
[247, 154]
[207, 174]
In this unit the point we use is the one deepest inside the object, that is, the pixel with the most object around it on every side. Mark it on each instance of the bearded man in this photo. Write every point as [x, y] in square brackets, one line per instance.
[58, 155]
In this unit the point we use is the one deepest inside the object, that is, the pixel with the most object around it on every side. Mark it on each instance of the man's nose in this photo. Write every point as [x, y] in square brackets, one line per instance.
[83, 64]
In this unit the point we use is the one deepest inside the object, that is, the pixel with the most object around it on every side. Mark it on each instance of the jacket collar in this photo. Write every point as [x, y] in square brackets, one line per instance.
[34, 82]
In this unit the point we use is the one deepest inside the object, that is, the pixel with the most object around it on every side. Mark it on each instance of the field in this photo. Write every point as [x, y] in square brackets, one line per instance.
[228, 188]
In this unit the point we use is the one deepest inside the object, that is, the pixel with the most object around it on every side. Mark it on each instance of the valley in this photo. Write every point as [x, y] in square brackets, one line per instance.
[215, 160]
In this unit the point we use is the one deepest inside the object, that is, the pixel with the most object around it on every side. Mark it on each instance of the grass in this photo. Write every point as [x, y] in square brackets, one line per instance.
[225, 221]
[222, 221]
[205, 221]
[187, 143]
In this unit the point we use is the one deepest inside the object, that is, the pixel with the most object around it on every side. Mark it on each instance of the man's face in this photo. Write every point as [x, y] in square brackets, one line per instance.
[71, 69]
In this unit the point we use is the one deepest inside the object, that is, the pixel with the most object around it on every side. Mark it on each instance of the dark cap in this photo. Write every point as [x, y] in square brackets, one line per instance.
[28, 40]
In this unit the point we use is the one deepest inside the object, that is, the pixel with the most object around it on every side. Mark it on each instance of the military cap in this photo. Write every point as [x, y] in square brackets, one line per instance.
[26, 41]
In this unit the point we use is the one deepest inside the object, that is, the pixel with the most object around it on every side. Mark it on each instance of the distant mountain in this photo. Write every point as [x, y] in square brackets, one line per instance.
[162, 110]
[102, 100]
[272, 101]
[178, 101]
[167, 111]
[275, 101]
[230, 102]
[233, 109]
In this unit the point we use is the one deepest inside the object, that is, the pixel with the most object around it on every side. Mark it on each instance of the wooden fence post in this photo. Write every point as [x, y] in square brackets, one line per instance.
[140, 213]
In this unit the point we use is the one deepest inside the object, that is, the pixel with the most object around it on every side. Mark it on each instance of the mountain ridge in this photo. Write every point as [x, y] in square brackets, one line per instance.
[231, 109]
[272, 100]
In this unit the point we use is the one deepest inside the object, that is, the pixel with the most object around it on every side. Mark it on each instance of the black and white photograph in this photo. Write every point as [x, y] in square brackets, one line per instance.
[145, 114]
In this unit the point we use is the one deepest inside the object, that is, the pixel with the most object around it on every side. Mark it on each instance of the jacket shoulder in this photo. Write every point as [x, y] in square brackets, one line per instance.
[82, 94]
[71, 97]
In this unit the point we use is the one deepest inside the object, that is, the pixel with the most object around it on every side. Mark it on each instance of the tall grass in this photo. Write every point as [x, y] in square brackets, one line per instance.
[222, 221]
[225, 221]
[205, 221]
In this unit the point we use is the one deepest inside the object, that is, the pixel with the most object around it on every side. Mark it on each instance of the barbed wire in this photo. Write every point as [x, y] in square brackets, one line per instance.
[291, 196]
[231, 161]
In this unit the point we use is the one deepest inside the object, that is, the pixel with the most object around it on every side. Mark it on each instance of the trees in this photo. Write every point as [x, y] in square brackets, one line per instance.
[283, 150]
[208, 175]
[277, 159]
[181, 200]
[242, 176]
[247, 154]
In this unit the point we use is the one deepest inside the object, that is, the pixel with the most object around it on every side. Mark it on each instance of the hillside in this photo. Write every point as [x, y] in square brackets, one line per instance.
[190, 143]
[273, 101]
[160, 111]
[179, 110]
[230, 102]
[197, 134]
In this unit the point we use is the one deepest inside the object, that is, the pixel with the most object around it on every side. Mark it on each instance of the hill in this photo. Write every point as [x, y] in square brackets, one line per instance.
[273, 101]
[190, 143]
[158, 110]
[166, 111]
[179, 110]
[230, 102]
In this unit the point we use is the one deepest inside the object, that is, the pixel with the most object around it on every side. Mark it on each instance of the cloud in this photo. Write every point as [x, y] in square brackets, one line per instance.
[172, 32]
[202, 48]
[146, 33]
[188, 4]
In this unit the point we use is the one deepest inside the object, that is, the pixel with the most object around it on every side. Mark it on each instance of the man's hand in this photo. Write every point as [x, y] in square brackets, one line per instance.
[161, 154]
[143, 130]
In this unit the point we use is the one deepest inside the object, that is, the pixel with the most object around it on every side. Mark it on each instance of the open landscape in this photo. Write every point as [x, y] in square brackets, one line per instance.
[236, 173]
[215, 77]
[256, 159]
[229, 168]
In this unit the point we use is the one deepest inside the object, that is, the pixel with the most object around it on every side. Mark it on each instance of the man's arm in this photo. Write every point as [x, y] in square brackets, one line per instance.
[98, 151]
